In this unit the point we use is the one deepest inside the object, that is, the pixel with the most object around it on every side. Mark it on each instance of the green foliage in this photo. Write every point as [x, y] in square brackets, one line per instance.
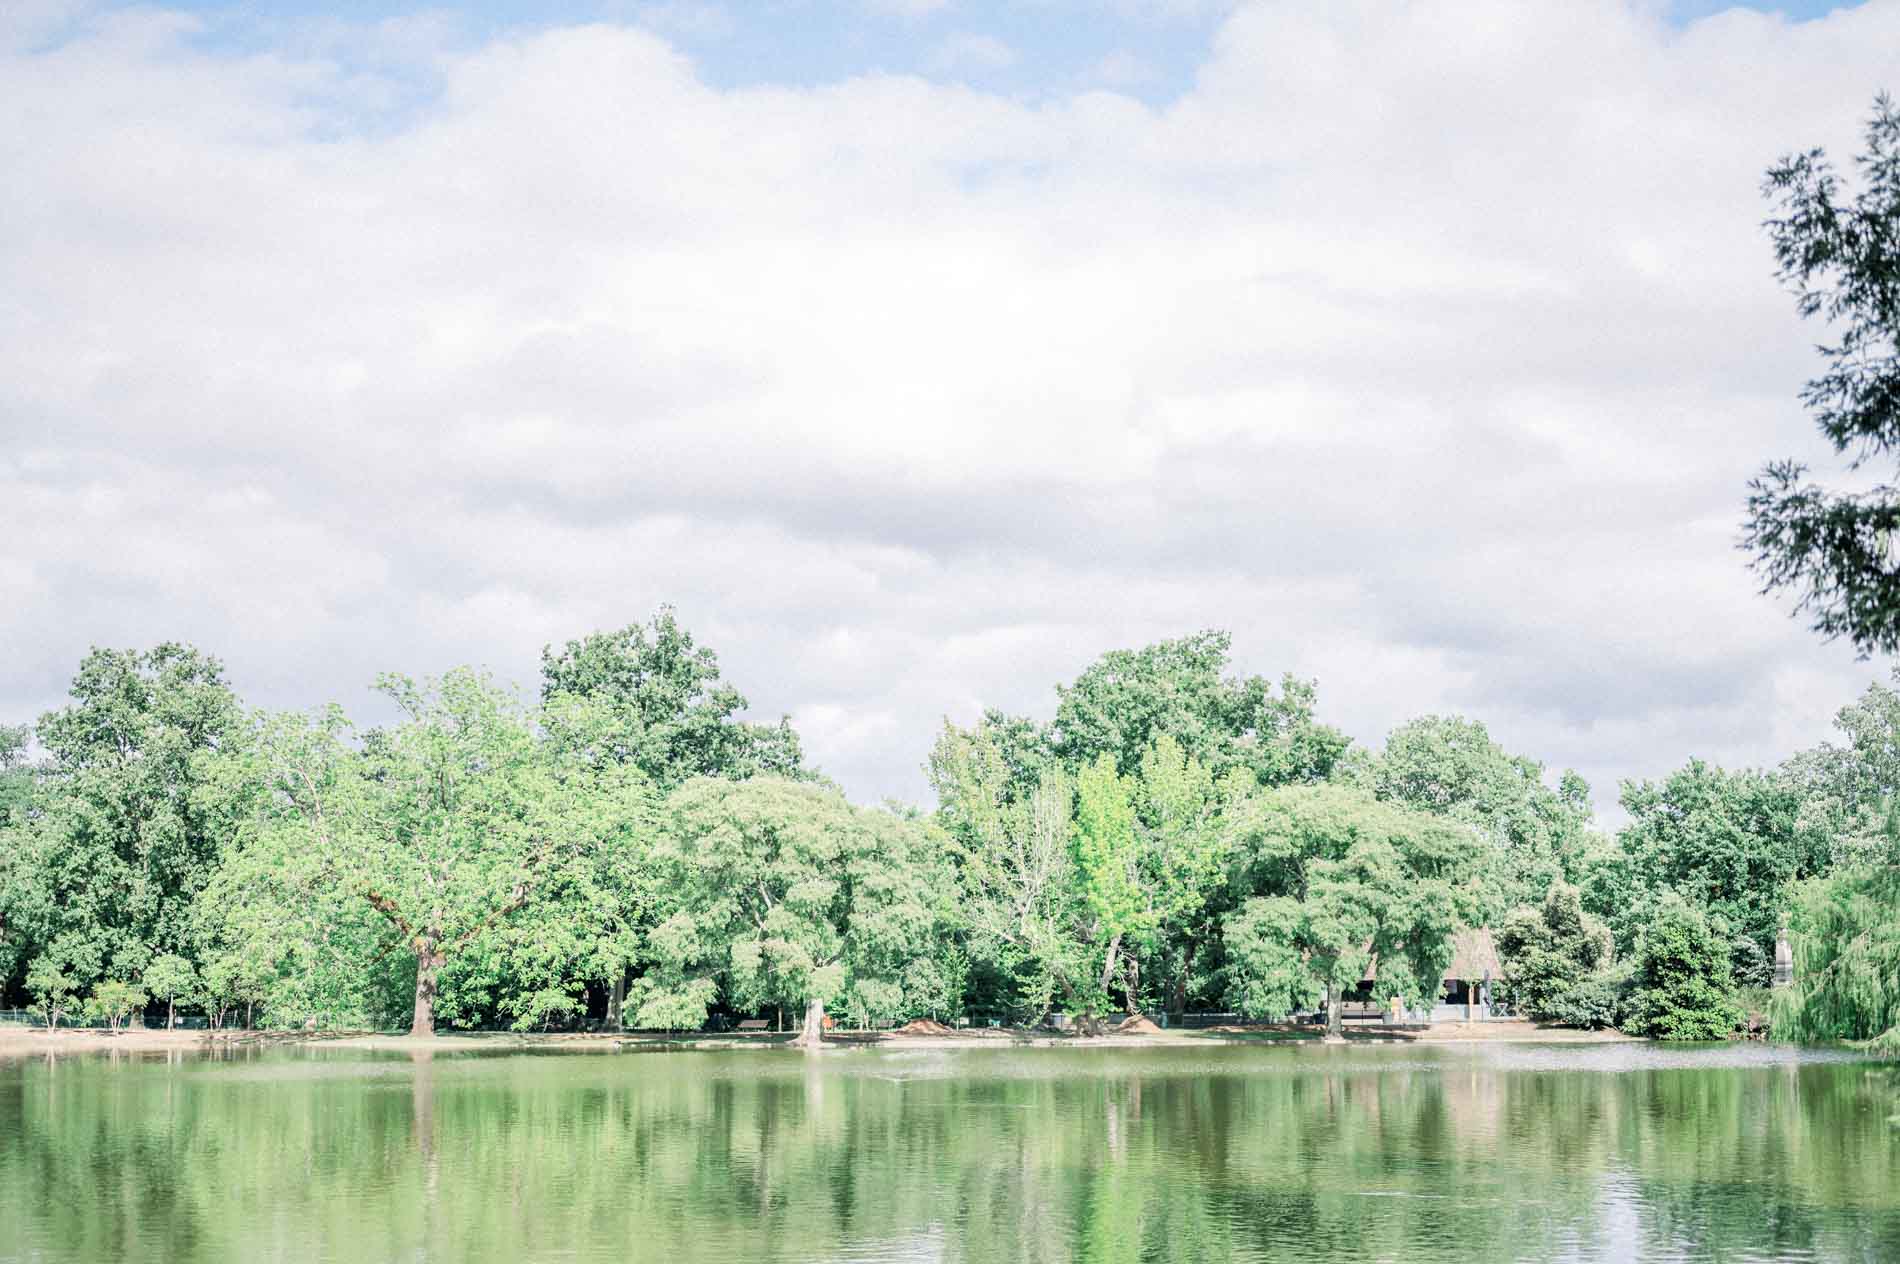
[169, 978]
[1450, 767]
[1730, 843]
[1129, 698]
[125, 836]
[1589, 1004]
[778, 891]
[1683, 987]
[1332, 877]
[114, 1002]
[669, 713]
[1551, 954]
[1834, 550]
[51, 987]
[1845, 931]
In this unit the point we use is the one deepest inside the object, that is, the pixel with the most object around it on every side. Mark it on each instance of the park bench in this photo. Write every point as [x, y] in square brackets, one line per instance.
[753, 1024]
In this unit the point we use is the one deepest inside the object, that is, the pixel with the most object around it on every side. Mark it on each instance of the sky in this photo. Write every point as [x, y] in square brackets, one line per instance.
[920, 351]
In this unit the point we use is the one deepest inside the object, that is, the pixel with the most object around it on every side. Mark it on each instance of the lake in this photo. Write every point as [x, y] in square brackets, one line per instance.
[1605, 1152]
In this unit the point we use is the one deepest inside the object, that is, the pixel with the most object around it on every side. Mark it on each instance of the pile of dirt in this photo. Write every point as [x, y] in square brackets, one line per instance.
[924, 1027]
[1137, 1025]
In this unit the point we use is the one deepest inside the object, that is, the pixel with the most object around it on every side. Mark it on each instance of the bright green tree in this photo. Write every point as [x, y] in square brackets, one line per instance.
[1334, 877]
[1683, 986]
[669, 712]
[781, 891]
[1730, 843]
[168, 978]
[51, 987]
[1553, 955]
[115, 1002]
[1846, 938]
[1127, 699]
[123, 838]
[444, 827]
[1009, 834]
[1449, 766]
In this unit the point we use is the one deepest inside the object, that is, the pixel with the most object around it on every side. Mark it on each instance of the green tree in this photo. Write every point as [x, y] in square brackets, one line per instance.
[169, 977]
[1552, 952]
[1449, 766]
[17, 879]
[1334, 877]
[781, 891]
[51, 987]
[1009, 834]
[445, 827]
[1127, 699]
[1846, 939]
[123, 839]
[672, 716]
[1728, 842]
[1835, 550]
[115, 1002]
[1683, 986]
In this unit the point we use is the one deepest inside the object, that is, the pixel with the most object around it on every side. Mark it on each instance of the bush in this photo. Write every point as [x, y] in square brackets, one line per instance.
[1552, 956]
[1592, 1003]
[1684, 989]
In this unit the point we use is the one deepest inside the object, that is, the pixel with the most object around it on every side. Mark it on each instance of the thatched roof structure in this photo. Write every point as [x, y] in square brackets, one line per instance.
[1473, 954]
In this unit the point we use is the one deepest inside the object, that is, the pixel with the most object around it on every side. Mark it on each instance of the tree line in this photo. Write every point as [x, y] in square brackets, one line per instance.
[628, 848]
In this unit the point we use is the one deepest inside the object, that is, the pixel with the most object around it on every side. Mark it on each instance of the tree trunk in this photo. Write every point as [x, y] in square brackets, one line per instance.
[1335, 1021]
[428, 968]
[171, 1012]
[813, 1035]
[616, 1000]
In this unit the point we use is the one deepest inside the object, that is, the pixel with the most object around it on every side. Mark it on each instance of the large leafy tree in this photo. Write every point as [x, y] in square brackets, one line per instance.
[423, 845]
[1845, 924]
[1333, 878]
[1451, 767]
[1552, 954]
[123, 835]
[1009, 835]
[1683, 986]
[1127, 699]
[1729, 843]
[671, 714]
[17, 880]
[781, 891]
[1836, 551]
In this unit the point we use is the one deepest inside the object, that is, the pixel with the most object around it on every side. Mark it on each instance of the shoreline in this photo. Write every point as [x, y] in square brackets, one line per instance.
[37, 1042]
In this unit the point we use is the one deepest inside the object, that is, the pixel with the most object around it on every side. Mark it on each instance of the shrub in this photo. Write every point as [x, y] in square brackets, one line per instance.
[1551, 955]
[1591, 1004]
[1684, 989]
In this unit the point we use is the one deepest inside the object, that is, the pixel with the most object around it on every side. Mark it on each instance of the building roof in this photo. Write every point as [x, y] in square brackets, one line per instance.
[1472, 954]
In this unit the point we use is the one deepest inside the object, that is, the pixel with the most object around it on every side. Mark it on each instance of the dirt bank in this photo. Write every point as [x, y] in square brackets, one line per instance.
[18, 1042]
[26, 1042]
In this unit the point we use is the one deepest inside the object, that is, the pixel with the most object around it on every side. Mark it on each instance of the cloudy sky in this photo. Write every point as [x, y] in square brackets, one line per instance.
[921, 350]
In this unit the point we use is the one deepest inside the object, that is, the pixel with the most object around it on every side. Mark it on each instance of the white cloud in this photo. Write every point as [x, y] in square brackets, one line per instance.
[1426, 346]
[970, 52]
[906, 8]
[1120, 69]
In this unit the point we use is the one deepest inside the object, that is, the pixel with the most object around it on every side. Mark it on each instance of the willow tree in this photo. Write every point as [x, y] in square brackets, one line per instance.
[781, 891]
[1846, 938]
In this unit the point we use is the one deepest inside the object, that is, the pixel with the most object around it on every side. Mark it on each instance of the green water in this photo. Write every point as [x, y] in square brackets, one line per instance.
[1384, 1152]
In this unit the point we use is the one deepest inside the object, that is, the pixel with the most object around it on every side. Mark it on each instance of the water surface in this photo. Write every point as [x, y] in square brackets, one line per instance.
[1741, 1153]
